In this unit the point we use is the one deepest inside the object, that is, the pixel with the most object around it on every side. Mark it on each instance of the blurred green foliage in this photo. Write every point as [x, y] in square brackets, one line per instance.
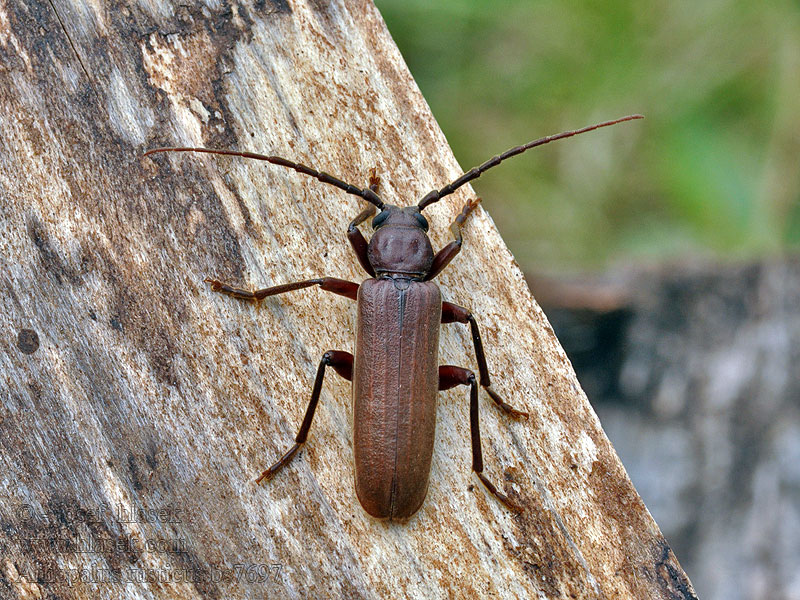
[713, 170]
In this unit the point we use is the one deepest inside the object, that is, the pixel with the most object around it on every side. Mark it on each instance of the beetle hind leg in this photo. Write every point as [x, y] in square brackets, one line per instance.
[450, 376]
[342, 363]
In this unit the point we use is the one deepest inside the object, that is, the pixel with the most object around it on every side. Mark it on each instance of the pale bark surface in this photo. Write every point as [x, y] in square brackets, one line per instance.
[138, 406]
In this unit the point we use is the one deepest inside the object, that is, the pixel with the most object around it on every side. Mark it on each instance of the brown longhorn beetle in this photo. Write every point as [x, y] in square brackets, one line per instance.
[394, 368]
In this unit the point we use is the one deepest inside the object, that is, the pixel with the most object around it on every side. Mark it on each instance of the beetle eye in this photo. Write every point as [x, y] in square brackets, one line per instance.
[380, 218]
[423, 222]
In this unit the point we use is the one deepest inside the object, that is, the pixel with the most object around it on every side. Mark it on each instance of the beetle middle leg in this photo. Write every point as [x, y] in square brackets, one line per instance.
[451, 376]
[342, 363]
[452, 313]
[329, 284]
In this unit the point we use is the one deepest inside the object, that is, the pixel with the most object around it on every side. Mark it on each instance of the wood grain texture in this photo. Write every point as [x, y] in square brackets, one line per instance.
[138, 406]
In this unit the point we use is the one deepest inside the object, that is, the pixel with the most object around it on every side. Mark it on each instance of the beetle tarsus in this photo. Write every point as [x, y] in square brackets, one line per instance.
[505, 407]
[374, 180]
[229, 290]
[468, 208]
[498, 494]
[270, 473]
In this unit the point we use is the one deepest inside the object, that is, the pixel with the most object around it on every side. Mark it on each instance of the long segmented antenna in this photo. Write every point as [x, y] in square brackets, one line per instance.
[476, 172]
[366, 194]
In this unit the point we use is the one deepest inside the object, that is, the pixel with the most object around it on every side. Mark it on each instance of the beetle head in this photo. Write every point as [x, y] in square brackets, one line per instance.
[400, 244]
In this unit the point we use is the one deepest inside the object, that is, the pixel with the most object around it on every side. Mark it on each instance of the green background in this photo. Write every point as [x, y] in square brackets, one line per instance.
[712, 171]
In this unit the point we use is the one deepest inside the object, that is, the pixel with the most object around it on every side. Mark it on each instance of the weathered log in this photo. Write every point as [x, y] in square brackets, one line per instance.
[138, 406]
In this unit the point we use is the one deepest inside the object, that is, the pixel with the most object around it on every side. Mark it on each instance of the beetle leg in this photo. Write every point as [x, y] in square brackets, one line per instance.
[374, 180]
[452, 313]
[329, 284]
[448, 253]
[355, 236]
[450, 376]
[357, 240]
[342, 363]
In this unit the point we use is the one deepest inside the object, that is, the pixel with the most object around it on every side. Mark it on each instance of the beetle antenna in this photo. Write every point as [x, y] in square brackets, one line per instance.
[367, 194]
[476, 172]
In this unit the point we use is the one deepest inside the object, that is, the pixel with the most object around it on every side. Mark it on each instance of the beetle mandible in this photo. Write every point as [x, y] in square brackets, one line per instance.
[394, 370]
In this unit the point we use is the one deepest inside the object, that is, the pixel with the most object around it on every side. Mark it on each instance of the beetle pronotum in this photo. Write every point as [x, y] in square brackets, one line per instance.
[394, 368]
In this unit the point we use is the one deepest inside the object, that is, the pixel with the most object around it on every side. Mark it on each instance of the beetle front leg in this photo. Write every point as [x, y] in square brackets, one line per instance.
[452, 313]
[355, 236]
[342, 363]
[448, 253]
[450, 376]
[342, 287]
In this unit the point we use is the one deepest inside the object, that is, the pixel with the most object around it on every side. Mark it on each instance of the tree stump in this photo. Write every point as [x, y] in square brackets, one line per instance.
[138, 406]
